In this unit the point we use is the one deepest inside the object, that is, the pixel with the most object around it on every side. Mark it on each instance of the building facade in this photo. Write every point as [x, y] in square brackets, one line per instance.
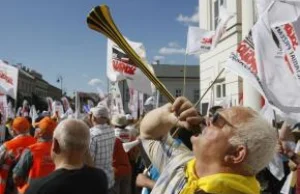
[33, 88]
[229, 87]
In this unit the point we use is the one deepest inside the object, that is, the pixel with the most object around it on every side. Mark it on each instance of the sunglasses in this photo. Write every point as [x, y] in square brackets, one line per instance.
[218, 120]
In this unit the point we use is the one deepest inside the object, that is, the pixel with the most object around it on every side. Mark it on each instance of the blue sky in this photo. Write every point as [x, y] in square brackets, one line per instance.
[51, 36]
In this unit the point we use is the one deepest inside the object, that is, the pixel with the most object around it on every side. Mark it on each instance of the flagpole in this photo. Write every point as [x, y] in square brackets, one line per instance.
[215, 80]
[184, 75]
[275, 121]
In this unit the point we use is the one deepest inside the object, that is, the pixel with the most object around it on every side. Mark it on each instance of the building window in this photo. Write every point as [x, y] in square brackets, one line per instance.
[216, 13]
[178, 92]
[220, 90]
[204, 107]
[196, 95]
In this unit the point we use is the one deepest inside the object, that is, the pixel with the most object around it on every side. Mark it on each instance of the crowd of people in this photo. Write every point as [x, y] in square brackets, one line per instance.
[172, 149]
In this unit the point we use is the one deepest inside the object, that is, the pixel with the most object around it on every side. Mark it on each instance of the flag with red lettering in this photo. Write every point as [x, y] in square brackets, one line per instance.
[288, 39]
[8, 79]
[201, 41]
[120, 67]
[198, 40]
[259, 60]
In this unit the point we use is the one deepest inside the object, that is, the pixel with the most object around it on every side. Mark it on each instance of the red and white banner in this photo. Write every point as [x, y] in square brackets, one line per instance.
[120, 67]
[288, 36]
[258, 62]
[201, 41]
[8, 79]
[198, 40]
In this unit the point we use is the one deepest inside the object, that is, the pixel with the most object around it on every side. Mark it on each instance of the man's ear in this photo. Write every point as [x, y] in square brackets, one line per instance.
[56, 148]
[237, 155]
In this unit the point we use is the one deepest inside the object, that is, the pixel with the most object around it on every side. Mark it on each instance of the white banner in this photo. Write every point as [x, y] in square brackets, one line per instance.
[225, 16]
[198, 40]
[288, 36]
[8, 79]
[141, 104]
[201, 41]
[258, 62]
[133, 102]
[116, 104]
[120, 67]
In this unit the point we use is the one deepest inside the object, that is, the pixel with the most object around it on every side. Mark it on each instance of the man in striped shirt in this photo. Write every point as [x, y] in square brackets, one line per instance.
[102, 142]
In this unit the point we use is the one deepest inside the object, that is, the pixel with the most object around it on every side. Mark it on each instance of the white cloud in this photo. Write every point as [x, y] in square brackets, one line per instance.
[189, 19]
[155, 58]
[95, 82]
[171, 51]
[173, 45]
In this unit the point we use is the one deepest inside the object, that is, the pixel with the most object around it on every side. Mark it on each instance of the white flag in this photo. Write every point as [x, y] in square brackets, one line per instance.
[201, 41]
[198, 40]
[116, 105]
[225, 16]
[258, 62]
[8, 79]
[120, 67]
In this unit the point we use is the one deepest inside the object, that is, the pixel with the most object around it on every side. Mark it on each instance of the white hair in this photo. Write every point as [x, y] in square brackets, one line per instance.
[260, 139]
[72, 134]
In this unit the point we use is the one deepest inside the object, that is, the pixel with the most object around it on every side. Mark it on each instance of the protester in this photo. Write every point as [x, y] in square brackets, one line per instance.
[11, 150]
[35, 161]
[120, 122]
[236, 144]
[70, 143]
[102, 143]
[122, 169]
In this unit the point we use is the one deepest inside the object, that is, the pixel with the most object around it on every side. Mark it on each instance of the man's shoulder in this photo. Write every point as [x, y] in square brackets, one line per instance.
[61, 180]
[42, 185]
[101, 130]
[95, 171]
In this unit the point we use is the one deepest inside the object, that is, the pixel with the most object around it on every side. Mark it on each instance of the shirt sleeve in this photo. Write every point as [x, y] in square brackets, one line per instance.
[162, 152]
[23, 166]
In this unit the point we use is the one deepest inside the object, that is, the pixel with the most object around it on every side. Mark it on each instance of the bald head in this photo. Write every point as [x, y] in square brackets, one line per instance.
[72, 135]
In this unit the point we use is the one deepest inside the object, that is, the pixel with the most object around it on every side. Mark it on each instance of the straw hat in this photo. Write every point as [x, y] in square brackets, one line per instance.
[119, 120]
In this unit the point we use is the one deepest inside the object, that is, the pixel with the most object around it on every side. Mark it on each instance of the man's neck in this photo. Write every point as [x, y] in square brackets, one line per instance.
[203, 169]
[69, 163]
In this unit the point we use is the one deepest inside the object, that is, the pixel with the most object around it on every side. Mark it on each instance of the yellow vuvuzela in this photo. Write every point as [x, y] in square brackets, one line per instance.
[101, 21]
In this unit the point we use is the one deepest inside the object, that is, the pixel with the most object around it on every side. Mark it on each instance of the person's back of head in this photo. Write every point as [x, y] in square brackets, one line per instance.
[45, 128]
[70, 139]
[99, 115]
[20, 125]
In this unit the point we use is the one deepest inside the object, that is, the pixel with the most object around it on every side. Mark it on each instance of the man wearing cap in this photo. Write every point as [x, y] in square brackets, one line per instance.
[36, 162]
[102, 142]
[11, 150]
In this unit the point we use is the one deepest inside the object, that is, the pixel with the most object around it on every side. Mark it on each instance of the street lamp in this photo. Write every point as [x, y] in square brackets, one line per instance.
[60, 79]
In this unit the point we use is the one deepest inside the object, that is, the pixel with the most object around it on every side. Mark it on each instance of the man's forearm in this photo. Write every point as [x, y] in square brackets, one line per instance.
[158, 123]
